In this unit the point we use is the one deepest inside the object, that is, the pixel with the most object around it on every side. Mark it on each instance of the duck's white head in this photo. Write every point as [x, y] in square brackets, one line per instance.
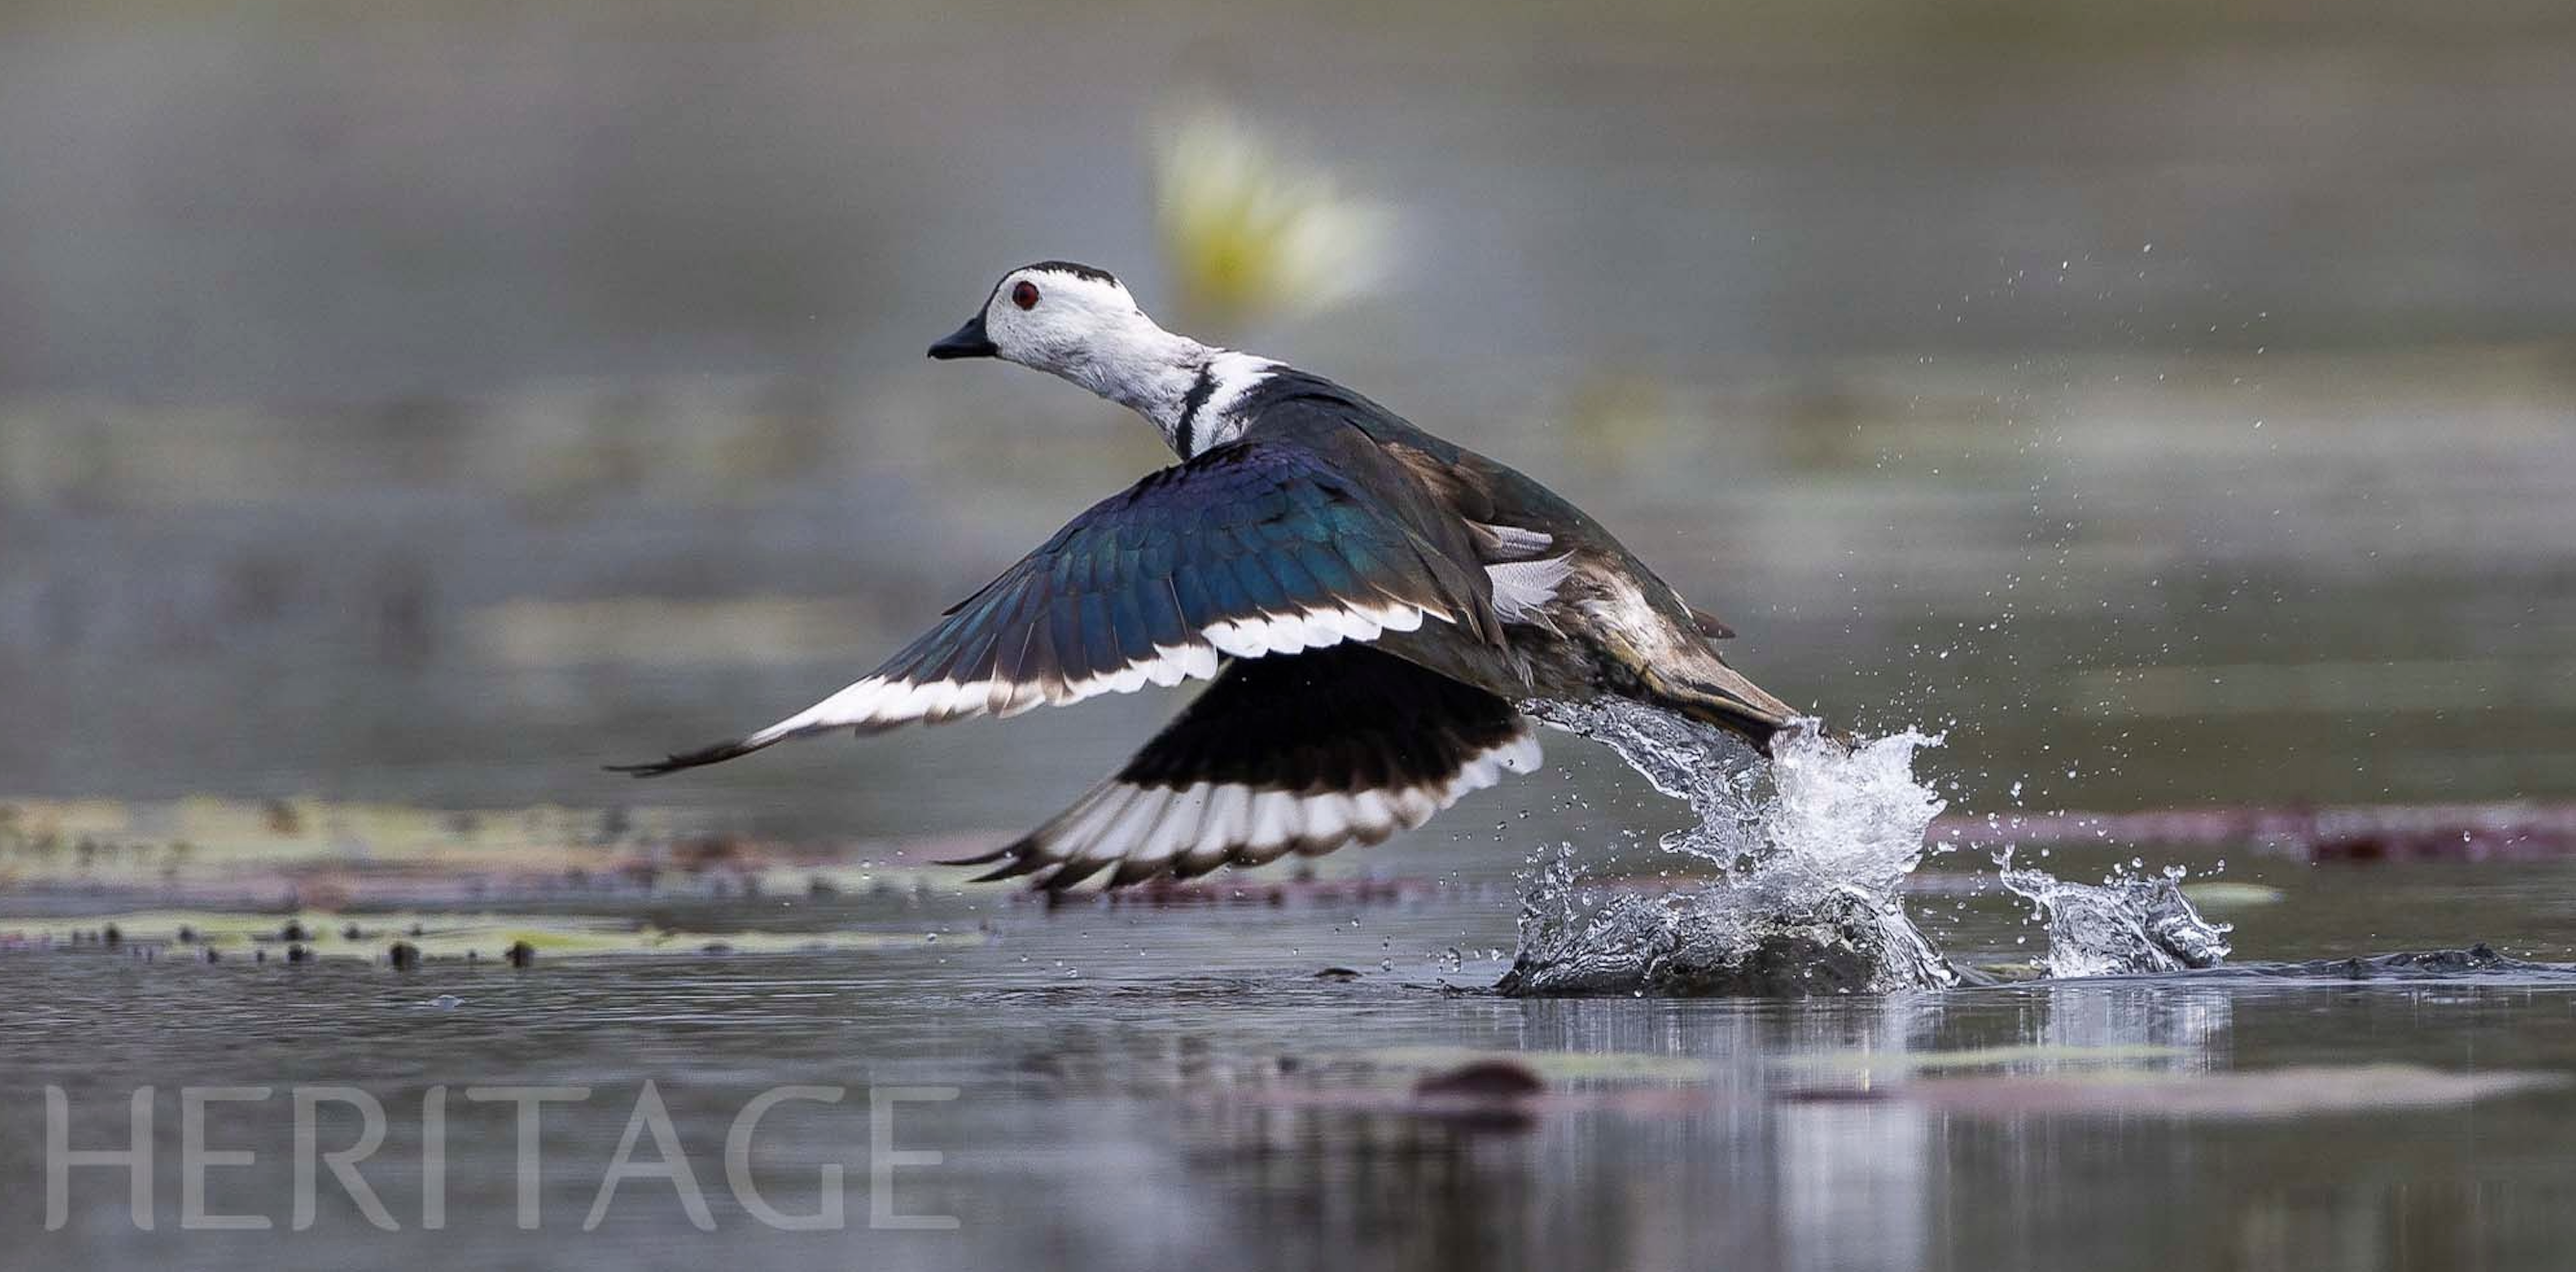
[1078, 322]
[1053, 316]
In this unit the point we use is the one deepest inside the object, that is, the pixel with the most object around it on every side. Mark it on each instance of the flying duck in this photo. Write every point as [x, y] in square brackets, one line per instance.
[1370, 601]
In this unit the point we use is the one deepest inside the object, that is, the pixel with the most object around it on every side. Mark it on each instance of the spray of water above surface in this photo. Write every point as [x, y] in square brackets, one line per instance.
[1810, 851]
[2127, 923]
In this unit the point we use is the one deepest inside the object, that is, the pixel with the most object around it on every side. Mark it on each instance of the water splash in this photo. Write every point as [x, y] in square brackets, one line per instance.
[1754, 939]
[2127, 923]
[1812, 849]
[1820, 811]
[1716, 775]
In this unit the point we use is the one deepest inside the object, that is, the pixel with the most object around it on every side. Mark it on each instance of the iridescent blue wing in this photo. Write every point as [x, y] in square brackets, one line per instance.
[1249, 550]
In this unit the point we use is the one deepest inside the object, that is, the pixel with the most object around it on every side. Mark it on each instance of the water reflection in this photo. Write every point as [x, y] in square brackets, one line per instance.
[1124, 1120]
[2193, 1027]
[1319, 1145]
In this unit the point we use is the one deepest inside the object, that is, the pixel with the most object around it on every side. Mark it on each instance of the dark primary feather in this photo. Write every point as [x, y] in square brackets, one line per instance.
[1345, 718]
[715, 754]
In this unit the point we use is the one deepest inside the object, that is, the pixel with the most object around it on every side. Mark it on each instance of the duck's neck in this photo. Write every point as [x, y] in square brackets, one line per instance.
[1187, 390]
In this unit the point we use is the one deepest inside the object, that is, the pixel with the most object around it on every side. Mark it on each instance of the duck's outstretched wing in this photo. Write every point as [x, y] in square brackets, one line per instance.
[1251, 549]
[1300, 754]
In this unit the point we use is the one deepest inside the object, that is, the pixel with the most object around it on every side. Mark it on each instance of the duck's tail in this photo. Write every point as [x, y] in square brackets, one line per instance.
[1709, 691]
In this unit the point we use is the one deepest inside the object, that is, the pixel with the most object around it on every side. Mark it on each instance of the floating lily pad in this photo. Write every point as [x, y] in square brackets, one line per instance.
[2222, 895]
[2032, 1054]
[211, 851]
[438, 936]
[2265, 1093]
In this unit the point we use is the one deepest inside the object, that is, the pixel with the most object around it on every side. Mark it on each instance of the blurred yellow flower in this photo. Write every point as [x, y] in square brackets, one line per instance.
[1248, 234]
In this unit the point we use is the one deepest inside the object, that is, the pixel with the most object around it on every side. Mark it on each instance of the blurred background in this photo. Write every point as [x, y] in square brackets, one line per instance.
[406, 409]
[2175, 404]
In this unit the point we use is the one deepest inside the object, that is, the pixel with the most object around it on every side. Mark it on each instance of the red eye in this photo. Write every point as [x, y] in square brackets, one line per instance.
[1024, 294]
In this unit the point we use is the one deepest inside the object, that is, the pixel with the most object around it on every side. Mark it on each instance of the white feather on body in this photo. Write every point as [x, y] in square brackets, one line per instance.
[1524, 589]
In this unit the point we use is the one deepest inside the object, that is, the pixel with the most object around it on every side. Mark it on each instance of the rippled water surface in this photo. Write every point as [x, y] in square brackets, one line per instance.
[1168, 1088]
[1270, 1073]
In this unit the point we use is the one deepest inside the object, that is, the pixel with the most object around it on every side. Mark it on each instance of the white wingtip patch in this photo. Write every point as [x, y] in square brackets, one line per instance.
[1290, 633]
[1153, 829]
[879, 703]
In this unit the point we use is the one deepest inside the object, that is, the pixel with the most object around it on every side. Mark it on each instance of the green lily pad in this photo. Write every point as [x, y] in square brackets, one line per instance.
[228, 851]
[2221, 895]
[2033, 1054]
[2263, 1093]
[322, 935]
